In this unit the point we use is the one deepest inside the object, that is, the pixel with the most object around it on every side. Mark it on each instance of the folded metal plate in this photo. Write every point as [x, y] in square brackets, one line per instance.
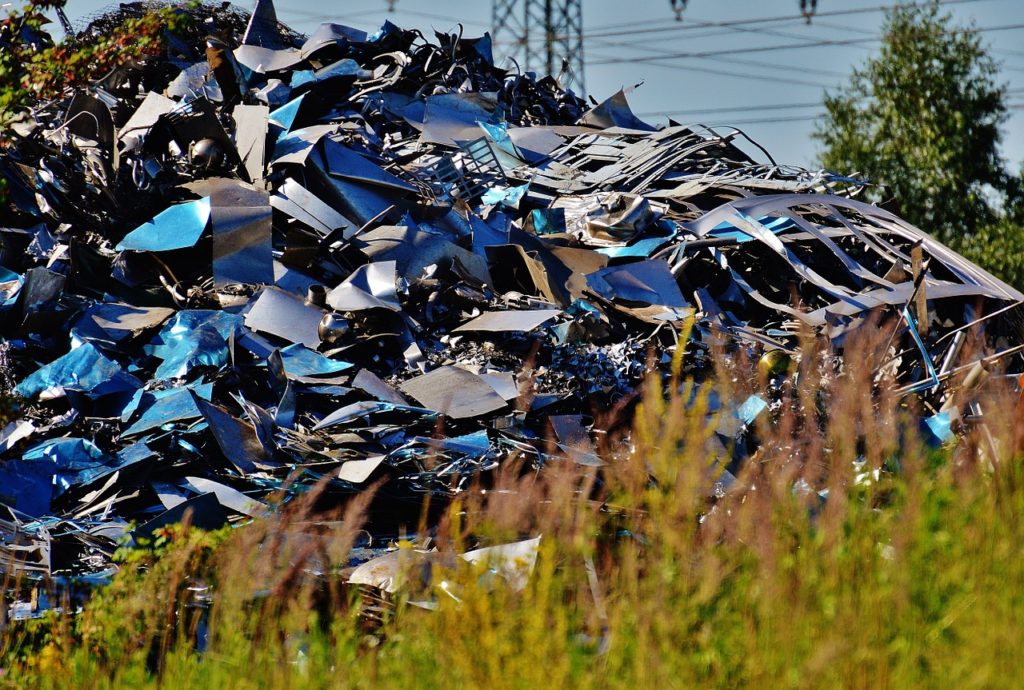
[615, 112]
[228, 498]
[237, 440]
[454, 392]
[264, 60]
[251, 125]
[297, 145]
[300, 361]
[451, 119]
[360, 201]
[85, 369]
[370, 383]
[414, 250]
[285, 315]
[644, 282]
[203, 512]
[146, 115]
[371, 286]
[168, 406]
[328, 34]
[510, 321]
[193, 338]
[263, 28]
[346, 163]
[358, 471]
[14, 432]
[108, 323]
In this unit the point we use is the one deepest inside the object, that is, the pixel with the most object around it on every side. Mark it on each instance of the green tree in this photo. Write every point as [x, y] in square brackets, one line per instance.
[922, 120]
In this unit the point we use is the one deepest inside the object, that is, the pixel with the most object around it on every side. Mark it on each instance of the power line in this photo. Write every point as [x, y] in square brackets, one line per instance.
[616, 28]
[769, 120]
[733, 51]
[691, 24]
[736, 109]
[722, 73]
[791, 119]
[995, 50]
[310, 15]
[320, 15]
[790, 46]
[802, 69]
[763, 120]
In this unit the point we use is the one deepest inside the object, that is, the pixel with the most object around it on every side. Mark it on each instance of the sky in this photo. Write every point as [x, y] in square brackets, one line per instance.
[754, 64]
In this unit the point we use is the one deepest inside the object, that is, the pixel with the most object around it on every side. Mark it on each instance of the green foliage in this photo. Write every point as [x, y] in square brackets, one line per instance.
[923, 118]
[999, 247]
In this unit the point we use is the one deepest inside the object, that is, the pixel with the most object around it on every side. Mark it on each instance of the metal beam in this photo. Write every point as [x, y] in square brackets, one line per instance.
[544, 36]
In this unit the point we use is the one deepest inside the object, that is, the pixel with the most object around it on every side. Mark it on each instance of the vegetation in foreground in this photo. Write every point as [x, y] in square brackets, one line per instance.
[849, 553]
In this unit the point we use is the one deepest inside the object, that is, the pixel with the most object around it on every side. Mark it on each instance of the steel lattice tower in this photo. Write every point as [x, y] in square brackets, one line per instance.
[542, 36]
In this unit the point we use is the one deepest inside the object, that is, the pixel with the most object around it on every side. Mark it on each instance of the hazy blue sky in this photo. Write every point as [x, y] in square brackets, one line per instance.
[771, 71]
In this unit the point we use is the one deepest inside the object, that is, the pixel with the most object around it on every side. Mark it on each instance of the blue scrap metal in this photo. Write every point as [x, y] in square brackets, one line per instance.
[357, 257]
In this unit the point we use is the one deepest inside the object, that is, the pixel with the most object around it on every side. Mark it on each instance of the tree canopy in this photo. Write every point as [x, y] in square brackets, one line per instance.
[922, 120]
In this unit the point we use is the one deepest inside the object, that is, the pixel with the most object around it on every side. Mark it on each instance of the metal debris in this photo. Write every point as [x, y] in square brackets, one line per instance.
[260, 260]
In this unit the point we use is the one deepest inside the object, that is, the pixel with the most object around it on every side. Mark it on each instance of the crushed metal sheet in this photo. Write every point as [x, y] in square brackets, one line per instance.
[366, 257]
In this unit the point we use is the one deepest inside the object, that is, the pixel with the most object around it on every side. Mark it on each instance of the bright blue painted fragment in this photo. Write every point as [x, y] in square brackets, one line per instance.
[10, 285]
[286, 114]
[751, 408]
[164, 407]
[196, 337]
[547, 221]
[178, 227]
[26, 486]
[70, 461]
[342, 68]
[507, 196]
[939, 426]
[299, 360]
[643, 248]
[933, 379]
[85, 369]
[726, 229]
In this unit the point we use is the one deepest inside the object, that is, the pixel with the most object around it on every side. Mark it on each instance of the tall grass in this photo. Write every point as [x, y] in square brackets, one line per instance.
[848, 553]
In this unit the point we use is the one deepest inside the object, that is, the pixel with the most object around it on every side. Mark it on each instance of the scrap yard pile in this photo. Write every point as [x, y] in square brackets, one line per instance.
[259, 260]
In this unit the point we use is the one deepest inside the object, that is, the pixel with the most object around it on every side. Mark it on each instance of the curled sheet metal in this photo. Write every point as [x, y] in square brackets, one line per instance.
[165, 407]
[356, 258]
[644, 282]
[304, 206]
[193, 338]
[368, 287]
[108, 323]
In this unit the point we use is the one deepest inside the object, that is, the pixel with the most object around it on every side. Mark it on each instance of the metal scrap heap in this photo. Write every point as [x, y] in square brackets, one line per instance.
[261, 260]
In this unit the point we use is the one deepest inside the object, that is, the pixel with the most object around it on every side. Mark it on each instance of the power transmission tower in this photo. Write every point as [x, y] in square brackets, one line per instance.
[543, 36]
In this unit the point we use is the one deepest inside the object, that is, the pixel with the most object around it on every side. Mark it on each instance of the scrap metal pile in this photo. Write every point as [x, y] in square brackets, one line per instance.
[260, 260]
